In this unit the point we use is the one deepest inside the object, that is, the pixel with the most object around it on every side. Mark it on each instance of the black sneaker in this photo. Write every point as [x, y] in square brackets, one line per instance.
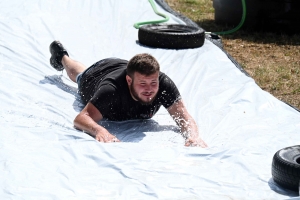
[57, 51]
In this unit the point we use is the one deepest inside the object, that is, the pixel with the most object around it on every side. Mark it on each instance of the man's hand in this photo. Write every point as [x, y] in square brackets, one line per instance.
[106, 137]
[86, 121]
[198, 142]
[186, 124]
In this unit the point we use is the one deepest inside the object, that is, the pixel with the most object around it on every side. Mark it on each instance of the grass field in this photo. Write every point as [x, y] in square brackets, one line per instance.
[271, 59]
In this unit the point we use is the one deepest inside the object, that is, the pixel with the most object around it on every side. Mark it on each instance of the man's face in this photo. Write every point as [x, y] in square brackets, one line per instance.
[143, 88]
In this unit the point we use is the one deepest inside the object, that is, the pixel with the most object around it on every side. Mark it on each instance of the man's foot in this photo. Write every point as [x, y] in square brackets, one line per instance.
[57, 51]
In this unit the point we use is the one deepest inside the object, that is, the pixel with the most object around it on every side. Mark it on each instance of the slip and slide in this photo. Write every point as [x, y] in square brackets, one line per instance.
[43, 156]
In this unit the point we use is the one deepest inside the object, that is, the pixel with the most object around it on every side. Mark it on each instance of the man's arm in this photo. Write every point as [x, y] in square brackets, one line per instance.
[86, 121]
[187, 124]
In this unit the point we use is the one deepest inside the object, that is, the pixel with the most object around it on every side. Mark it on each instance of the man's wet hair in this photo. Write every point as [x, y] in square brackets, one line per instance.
[142, 63]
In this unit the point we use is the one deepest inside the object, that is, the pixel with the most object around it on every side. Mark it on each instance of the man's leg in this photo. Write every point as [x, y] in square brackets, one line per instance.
[72, 67]
[60, 60]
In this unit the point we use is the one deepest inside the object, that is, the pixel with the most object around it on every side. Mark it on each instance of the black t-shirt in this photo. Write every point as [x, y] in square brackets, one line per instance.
[105, 86]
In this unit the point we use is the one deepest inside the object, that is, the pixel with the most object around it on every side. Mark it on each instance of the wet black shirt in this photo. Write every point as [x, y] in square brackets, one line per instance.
[105, 86]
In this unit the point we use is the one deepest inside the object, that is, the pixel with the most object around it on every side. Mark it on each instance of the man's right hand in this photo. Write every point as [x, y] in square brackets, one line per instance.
[106, 137]
[87, 119]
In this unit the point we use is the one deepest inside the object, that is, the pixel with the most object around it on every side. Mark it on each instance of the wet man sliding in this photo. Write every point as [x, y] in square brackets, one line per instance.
[120, 90]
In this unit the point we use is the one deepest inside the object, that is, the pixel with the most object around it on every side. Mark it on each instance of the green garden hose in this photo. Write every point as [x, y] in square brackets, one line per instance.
[166, 18]
[238, 26]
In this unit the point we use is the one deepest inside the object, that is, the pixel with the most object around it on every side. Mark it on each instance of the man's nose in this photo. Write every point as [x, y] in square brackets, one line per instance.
[148, 87]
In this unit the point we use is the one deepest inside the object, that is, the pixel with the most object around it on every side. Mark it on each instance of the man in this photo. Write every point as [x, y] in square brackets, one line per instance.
[120, 90]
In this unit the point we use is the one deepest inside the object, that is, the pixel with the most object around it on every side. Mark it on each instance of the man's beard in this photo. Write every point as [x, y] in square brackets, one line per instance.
[135, 95]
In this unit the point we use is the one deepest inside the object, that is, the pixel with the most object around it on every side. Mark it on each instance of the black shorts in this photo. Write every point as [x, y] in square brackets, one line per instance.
[89, 80]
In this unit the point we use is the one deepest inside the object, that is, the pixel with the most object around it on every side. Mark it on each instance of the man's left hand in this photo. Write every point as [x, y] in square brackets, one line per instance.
[195, 142]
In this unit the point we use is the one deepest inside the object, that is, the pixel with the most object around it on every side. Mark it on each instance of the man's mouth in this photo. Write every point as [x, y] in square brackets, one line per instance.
[147, 94]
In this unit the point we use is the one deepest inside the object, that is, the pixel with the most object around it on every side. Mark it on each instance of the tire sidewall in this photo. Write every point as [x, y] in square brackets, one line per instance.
[153, 36]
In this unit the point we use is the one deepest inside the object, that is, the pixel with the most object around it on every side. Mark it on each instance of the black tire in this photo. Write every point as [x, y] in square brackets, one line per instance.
[286, 167]
[171, 36]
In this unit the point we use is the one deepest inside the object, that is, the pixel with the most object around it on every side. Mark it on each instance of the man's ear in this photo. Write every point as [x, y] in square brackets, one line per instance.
[129, 80]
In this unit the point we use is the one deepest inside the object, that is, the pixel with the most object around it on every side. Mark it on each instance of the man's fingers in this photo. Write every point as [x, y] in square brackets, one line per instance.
[203, 144]
[187, 144]
[191, 143]
[107, 139]
[99, 139]
[114, 139]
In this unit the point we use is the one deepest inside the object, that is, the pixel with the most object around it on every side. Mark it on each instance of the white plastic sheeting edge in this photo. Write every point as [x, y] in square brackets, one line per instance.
[43, 157]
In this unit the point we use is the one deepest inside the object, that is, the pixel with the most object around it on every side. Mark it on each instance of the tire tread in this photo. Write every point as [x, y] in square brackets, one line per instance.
[285, 173]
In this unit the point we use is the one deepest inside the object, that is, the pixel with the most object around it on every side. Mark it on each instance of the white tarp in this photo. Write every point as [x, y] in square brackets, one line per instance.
[43, 157]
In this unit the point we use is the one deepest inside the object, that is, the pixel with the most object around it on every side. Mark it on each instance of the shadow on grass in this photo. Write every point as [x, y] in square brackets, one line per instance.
[262, 34]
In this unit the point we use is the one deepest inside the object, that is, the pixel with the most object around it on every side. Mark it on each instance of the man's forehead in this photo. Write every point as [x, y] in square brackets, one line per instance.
[139, 76]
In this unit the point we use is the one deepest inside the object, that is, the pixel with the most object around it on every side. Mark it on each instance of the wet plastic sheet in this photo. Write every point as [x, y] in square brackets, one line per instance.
[43, 157]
